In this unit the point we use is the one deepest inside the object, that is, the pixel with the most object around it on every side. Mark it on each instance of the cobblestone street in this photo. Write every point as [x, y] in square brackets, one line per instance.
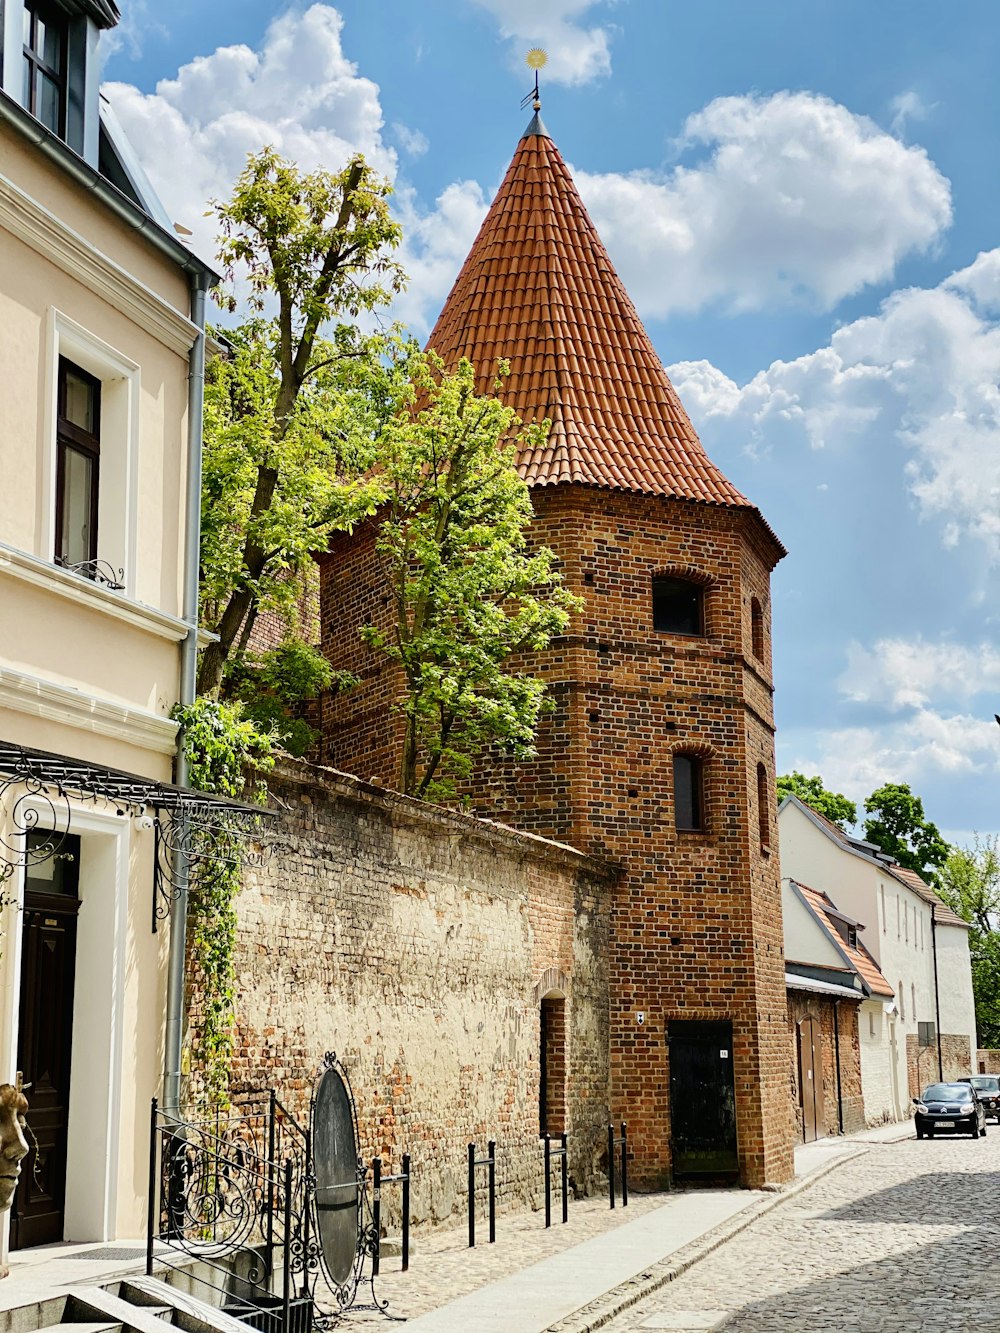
[904, 1237]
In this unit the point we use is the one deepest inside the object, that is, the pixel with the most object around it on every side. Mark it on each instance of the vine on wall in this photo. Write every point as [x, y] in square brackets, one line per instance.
[228, 756]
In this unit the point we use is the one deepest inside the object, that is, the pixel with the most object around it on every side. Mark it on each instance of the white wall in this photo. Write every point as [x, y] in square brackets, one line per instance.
[878, 1091]
[958, 1009]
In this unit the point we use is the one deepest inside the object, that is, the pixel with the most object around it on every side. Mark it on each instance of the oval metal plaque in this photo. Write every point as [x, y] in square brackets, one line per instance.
[335, 1154]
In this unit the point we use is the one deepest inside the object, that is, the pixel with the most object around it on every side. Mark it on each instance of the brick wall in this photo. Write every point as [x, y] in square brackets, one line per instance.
[841, 1028]
[987, 1062]
[922, 1061]
[418, 945]
[696, 921]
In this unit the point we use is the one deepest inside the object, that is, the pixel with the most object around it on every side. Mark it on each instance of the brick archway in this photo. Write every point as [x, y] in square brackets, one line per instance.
[551, 995]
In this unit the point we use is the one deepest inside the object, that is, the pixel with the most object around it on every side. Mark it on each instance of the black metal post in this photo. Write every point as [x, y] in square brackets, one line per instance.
[548, 1182]
[624, 1166]
[493, 1190]
[377, 1212]
[472, 1196]
[151, 1205]
[272, 1166]
[611, 1163]
[565, 1174]
[306, 1210]
[286, 1283]
[406, 1211]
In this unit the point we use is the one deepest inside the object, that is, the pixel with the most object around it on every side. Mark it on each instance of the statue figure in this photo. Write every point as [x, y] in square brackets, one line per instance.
[13, 1146]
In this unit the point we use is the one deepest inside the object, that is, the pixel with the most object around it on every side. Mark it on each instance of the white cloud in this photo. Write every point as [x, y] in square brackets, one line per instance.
[981, 281]
[908, 106]
[411, 141]
[909, 673]
[435, 243]
[298, 93]
[796, 201]
[577, 53]
[924, 372]
[925, 746]
[302, 95]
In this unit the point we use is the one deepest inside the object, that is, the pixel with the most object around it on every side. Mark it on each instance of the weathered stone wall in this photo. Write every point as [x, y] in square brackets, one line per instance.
[418, 944]
[922, 1061]
[840, 1029]
[987, 1061]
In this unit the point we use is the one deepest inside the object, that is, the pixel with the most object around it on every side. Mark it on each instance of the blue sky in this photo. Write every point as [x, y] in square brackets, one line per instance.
[803, 202]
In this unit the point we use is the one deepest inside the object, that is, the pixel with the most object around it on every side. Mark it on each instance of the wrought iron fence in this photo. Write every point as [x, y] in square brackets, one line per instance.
[230, 1206]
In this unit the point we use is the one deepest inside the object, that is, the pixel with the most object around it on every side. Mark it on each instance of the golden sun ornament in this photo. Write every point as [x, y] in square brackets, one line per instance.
[536, 58]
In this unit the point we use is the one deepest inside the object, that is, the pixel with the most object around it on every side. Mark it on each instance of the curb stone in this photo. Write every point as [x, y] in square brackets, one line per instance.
[601, 1311]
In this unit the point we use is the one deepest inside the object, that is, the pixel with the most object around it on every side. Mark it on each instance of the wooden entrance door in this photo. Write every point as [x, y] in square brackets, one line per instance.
[44, 1047]
[702, 1099]
[810, 1080]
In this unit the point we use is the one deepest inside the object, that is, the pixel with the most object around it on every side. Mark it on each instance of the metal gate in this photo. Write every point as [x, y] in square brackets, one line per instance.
[702, 1098]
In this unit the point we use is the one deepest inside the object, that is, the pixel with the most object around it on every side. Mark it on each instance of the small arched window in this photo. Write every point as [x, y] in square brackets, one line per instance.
[763, 817]
[689, 792]
[757, 629]
[678, 605]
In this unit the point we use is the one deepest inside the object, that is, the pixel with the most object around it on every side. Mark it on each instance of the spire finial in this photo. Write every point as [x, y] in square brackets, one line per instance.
[536, 59]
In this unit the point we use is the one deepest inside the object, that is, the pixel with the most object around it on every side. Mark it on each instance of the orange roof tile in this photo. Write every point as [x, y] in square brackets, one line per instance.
[861, 960]
[943, 914]
[539, 289]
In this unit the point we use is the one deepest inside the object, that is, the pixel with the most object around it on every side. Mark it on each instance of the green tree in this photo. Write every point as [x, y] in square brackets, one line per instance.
[288, 421]
[897, 824]
[470, 592]
[969, 883]
[838, 809]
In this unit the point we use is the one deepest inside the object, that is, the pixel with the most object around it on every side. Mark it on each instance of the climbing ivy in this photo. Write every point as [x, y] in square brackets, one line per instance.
[228, 756]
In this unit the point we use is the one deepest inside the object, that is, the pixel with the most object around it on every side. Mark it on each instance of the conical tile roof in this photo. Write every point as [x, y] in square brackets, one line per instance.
[539, 289]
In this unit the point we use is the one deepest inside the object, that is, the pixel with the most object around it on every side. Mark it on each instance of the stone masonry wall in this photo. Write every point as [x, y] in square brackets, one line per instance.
[696, 920]
[922, 1061]
[987, 1062]
[844, 1030]
[418, 944]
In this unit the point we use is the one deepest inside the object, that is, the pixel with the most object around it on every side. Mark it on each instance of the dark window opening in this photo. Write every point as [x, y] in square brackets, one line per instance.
[757, 629]
[78, 455]
[852, 936]
[44, 65]
[678, 606]
[763, 818]
[688, 792]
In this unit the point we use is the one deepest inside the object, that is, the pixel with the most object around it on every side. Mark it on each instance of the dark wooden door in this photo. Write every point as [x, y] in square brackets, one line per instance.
[702, 1099]
[44, 1047]
[810, 1076]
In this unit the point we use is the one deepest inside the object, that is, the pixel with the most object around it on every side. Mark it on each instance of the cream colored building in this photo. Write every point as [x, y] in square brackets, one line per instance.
[927, 1028]
[101, 358]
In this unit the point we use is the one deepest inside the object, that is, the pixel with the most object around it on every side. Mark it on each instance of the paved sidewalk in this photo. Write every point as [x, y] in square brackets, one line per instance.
[534, 1280]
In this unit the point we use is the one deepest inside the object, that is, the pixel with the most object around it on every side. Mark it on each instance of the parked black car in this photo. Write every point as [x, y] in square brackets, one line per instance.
[987, 1088]
[949, 1108]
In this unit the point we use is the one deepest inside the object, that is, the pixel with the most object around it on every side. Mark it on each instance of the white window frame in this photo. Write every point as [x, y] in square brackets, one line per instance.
[118, 488]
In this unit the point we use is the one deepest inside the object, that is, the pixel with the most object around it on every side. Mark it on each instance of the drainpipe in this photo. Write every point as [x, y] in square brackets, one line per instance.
[836, 1052]
[937, 993]
[174, 1037]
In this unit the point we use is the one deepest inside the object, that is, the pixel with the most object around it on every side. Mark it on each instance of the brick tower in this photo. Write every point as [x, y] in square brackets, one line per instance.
[659, 753]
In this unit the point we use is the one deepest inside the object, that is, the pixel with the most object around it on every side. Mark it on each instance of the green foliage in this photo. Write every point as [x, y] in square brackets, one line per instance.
[469, 592]
[271, 684]
[838, 809]
[226, 755]
[289, 417]
[969, 883]
[898, 826]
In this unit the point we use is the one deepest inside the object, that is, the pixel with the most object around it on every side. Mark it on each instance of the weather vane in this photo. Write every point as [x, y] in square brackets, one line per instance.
[536, 59]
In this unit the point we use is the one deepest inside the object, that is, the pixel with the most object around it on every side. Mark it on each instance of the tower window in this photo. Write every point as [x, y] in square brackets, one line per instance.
[78, 453]
[689, 812]
[44, 65]
[757, 629]
[763, 819]
[678, 606]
